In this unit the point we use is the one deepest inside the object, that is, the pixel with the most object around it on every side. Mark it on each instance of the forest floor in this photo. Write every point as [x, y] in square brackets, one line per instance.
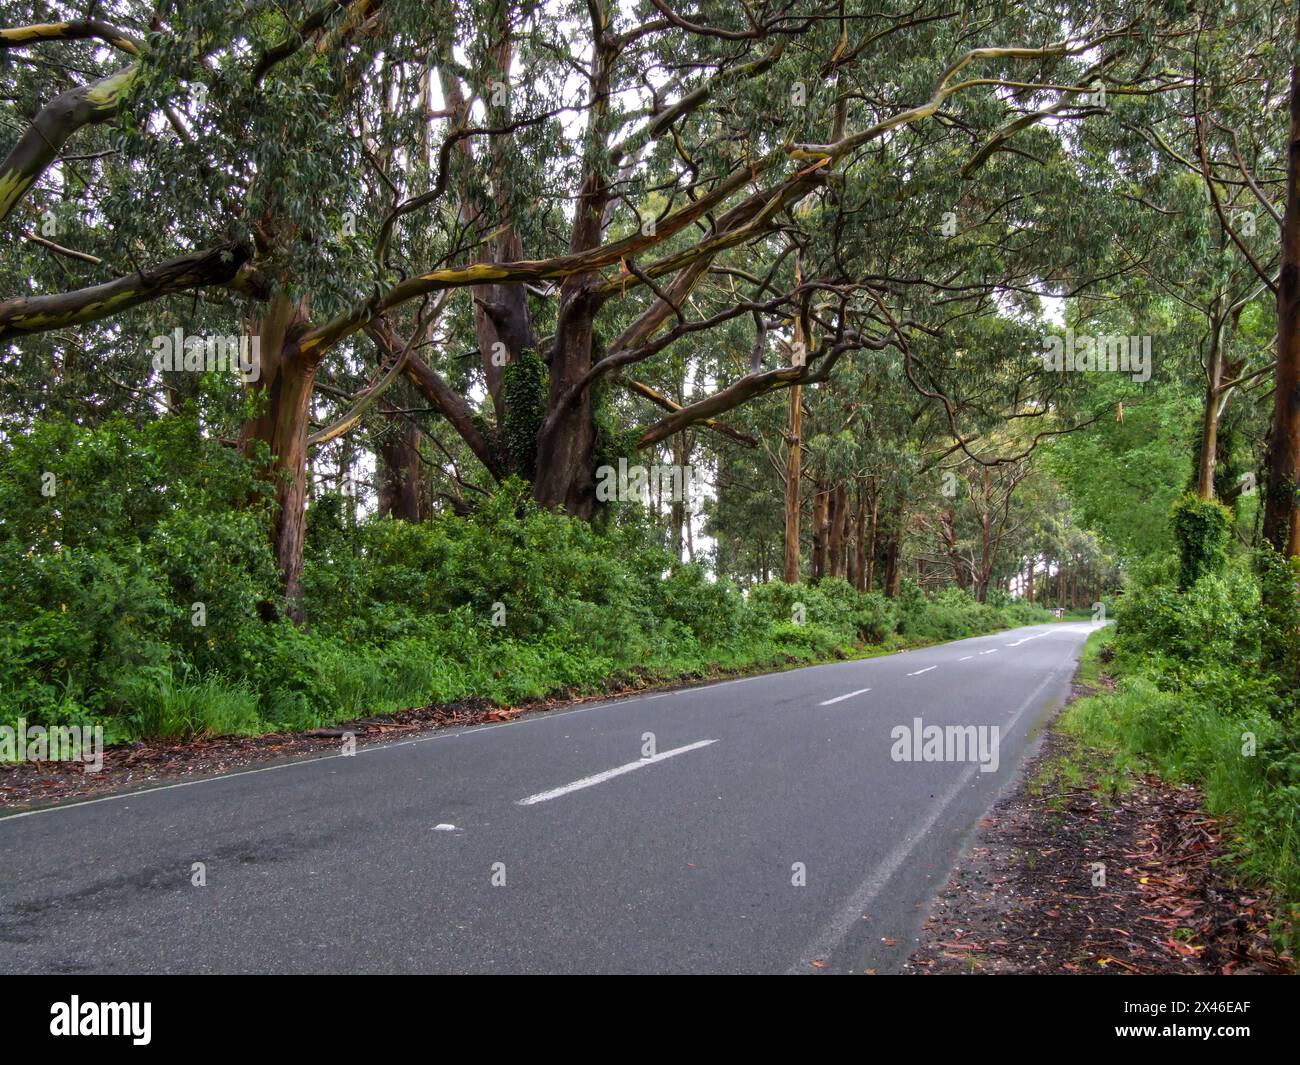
[1026, 897]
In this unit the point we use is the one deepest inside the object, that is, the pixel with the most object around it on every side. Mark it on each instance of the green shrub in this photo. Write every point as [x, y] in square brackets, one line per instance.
[99, 586]
[1201, 531]
[1198, 701]
[1279, 582]
[1184, 632]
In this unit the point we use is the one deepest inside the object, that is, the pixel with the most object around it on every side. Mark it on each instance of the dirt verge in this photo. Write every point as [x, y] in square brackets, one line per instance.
[1029, 897]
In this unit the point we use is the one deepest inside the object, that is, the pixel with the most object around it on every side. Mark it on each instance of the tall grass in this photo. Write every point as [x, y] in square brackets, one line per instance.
[316, 680]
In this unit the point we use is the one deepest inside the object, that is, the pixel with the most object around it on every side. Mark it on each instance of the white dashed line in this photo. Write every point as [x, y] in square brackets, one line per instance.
[920, 671]
[849, 916]
[966, 659]
[992, 652]
[609, 774]
[1026, 639]
[841, 698]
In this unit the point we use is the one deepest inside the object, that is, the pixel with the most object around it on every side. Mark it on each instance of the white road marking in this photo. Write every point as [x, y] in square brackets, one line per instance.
[992, 652]
[850, 915]
[841, 698]
[609, 774]
[920, 671]
[967, 658]
[1026, 639]
[438, 735]
[444, 827]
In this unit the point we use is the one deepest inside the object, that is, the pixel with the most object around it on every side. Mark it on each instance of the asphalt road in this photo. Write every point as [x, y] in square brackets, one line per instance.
[773, 829]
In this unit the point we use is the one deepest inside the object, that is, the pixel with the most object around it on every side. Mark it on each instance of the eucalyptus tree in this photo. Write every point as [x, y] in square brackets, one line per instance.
[1232, 130]
[603, 182]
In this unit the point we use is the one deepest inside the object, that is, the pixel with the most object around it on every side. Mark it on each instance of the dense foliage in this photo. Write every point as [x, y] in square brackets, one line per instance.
[1196, 701]
[134, 596]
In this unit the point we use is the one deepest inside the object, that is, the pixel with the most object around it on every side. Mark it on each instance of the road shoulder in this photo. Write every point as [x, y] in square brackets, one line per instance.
[1075, 871]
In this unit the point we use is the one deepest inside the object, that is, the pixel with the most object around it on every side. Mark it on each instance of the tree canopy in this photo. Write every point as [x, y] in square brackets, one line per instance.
[398, 257]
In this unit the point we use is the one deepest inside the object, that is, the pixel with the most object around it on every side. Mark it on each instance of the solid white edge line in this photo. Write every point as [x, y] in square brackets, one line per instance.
[849, 915]
[609, 774]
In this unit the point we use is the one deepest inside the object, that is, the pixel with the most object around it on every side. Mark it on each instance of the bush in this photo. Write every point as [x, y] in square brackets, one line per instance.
[1183, 633]
[1279, 583]
[1201, 531]
[1198, 702]
[108, 539]
[136, 596]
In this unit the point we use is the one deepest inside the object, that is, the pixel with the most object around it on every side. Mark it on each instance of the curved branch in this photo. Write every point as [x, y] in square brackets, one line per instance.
[82, 30]
[38, 314]
[752, 385]
[450, 403]
[560, 266]
[364, 402]
[58, 120]
[660, 400]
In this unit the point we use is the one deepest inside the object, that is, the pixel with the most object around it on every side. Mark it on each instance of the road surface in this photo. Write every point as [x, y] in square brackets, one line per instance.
[764, 825]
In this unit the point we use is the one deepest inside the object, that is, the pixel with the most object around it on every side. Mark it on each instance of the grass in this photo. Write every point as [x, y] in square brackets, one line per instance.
[1137, 727]
[1090, 661]
[210, 706]
[413, 673]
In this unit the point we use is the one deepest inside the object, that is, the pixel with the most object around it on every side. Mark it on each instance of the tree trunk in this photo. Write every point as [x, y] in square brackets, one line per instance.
[793, 470]
[1210, 415]
[948, 533]
[677, 509]
[838, 524]
[284, 387]
[401, 494]
[820, 521]
[502, 323]
[894, 554]
[566, 447]
[566, 452]
[871, 546]
[987, 556]
[1281, 528]
[860, 544]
